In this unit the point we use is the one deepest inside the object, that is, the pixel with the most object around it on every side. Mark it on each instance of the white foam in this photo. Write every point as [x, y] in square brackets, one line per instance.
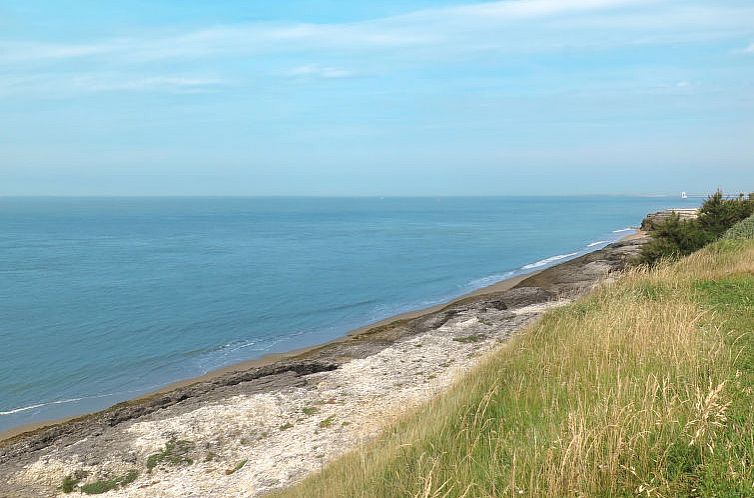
[23, 409]
[549, 260]
[627, 229]
[597, 243]
[489, 280]
[58, 402]
[40, 405]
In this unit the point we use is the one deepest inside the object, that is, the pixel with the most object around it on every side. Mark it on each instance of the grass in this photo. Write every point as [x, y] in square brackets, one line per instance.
[99, 487]
[237, 467]
[643, 388]
[325, 423]
[309, 410]
[175, 452]
[71, 483]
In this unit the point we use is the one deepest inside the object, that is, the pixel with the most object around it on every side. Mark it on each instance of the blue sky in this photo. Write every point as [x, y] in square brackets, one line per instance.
[325, 97]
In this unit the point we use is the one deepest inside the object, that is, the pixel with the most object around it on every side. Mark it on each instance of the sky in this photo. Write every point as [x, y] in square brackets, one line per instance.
[410, 97]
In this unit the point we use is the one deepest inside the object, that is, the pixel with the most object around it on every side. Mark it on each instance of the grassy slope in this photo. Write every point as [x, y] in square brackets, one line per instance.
[642, 388]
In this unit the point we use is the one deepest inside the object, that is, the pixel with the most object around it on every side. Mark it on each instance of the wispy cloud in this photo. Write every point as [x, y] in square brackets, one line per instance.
[503, 25]
[435, 35]
[52, 85]
[171, 83]
[319, 71]
[13, 51]
[528, 9]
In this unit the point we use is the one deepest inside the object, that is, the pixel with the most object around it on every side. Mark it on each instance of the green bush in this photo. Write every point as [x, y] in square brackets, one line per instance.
[741, 230]
[718, 214]
[674, 237]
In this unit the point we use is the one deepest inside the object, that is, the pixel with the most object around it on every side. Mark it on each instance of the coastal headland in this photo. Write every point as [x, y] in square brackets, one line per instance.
[263, 425]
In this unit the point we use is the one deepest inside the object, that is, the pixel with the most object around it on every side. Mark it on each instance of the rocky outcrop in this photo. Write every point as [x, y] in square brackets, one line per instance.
[652, 219]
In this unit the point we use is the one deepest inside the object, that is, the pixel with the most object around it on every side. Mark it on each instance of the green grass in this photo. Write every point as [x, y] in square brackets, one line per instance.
[71, 482]
[237, 467]
[99, 487]
[643, 388]
[325, 423]
[729, 470]
[175, 452]
[309, 410]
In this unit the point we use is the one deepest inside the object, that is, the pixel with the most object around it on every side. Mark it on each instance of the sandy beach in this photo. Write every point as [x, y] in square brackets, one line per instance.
[263, 425]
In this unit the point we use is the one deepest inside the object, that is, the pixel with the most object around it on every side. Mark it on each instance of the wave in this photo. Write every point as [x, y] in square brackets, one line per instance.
[259, 345]
[58, 402]
[627, 229]
[549, 260]
[597, 243]
[480, 283]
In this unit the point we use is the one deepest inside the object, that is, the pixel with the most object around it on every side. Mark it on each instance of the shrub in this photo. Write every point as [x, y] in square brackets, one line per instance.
[718, 214]
[741, 230]
[674, 237]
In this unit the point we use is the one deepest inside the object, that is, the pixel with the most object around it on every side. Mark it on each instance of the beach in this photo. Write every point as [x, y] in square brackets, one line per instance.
[263, 425]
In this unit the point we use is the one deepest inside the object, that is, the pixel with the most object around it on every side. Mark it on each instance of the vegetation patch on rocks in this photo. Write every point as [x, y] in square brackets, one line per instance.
[175, 452]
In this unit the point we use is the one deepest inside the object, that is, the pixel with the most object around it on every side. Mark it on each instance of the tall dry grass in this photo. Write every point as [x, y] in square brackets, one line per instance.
[634, 390]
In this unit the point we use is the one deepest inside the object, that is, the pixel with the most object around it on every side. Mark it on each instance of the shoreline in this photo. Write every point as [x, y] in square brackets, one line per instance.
[9, 435]
[292, 413]
[271, 358]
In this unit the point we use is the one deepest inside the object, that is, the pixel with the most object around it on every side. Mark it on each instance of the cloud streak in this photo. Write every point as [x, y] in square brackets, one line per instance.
[99, 83]
[319, 71]
[430, 36]
[461, 27]
[52, 85]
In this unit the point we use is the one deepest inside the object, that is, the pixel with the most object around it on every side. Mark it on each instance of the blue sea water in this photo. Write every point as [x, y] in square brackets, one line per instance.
[104, 299]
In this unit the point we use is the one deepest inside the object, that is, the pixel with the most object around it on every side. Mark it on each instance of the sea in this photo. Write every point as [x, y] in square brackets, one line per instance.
[106, 299]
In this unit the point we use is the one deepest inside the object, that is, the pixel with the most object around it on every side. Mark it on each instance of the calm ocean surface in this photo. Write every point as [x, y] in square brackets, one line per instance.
[103, 299]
